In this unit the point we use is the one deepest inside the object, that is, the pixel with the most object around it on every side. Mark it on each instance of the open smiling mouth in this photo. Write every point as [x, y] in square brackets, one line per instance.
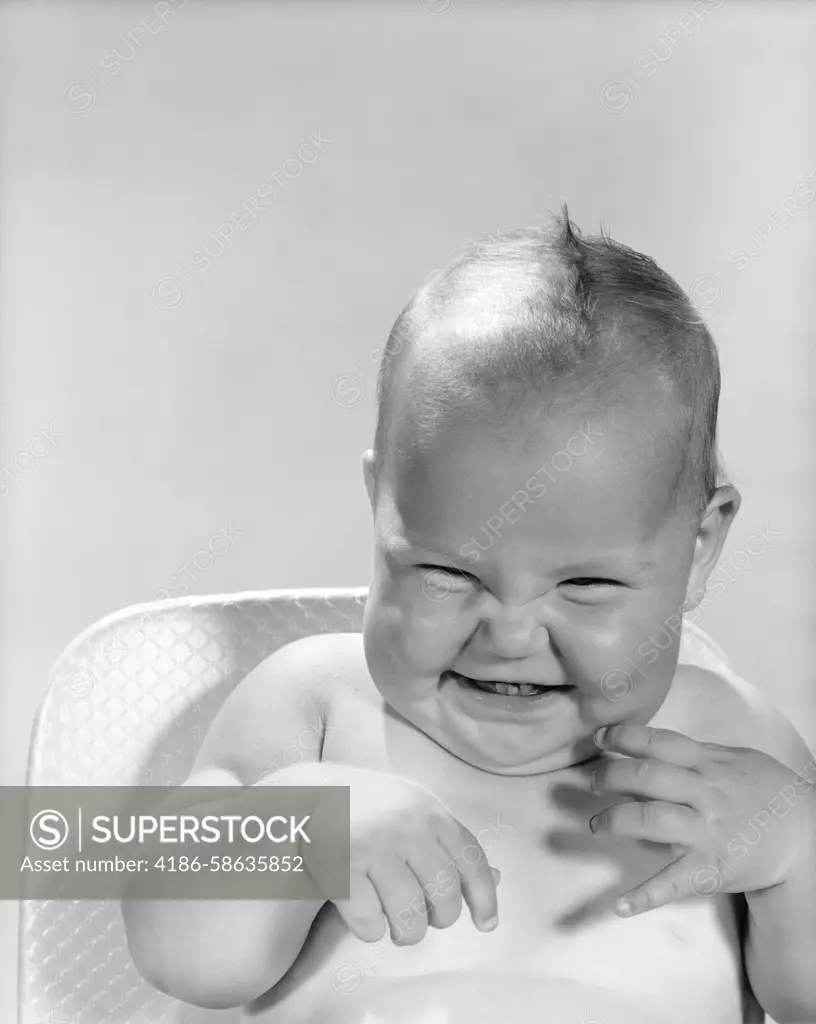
[506, 689]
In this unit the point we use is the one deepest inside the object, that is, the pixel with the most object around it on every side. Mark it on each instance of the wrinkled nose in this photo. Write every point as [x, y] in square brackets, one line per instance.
[516, 633]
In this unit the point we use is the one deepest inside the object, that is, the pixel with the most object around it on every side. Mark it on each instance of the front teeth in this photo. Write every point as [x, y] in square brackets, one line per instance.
[513, 690]
[506, 689]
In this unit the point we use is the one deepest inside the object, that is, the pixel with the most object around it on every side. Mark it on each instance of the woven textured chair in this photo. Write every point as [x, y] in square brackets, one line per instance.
[128, 704]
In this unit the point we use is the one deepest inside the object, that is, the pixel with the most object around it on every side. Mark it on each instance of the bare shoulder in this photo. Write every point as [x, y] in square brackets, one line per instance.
[322, 663]
[283, 704]
[713, 708]
[305, 673]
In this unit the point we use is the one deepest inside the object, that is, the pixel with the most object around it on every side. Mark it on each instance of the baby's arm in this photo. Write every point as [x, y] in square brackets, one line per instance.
[222, 953]
[707, 791]
[781, 924]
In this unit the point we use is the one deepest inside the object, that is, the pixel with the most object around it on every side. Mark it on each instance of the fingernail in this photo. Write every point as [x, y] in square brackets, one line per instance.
[599, 735]
[490, 924]
[625, 908]
[593, 823]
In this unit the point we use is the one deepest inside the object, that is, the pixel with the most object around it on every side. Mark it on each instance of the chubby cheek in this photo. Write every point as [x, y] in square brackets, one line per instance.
[632, 681]
[623, 663]
[410, 635]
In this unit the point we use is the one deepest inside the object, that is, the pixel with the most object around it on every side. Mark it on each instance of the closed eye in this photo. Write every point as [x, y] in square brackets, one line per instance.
[592, 581]
[449, 569]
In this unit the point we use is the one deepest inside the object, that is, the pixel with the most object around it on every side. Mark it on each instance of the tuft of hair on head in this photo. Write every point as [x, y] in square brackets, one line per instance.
[530, 311]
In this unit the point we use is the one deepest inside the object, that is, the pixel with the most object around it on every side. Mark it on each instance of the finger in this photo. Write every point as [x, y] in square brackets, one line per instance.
[467, 857]
[648, 778]
[674, 882]
[644, 741]
[440, 887]
[401, 898]
[655, 820]
[362, 911]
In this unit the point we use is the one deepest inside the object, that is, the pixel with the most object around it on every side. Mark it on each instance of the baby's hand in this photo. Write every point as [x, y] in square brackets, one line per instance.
[412, 862]
[739, 819]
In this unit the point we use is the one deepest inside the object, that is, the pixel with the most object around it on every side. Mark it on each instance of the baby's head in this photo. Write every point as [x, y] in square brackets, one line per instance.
[545, 491]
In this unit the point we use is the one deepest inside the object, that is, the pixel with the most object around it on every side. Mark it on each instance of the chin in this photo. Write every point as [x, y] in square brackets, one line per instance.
[500, 758]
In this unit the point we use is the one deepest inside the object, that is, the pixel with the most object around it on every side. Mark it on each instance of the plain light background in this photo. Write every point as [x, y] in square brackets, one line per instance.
[243, 393]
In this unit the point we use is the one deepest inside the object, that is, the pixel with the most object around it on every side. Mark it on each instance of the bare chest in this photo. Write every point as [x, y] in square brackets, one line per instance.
[559, 883]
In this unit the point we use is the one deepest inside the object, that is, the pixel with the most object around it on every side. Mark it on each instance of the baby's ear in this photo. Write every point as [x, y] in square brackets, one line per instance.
[368, 475]
[709, 540]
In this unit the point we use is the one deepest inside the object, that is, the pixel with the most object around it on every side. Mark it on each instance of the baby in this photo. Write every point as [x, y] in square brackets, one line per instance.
[629, 829]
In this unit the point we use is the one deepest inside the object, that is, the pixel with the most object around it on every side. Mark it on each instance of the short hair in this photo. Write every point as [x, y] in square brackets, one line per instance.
[547, 306]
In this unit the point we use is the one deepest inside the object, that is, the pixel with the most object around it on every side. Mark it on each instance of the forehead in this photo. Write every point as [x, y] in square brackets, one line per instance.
[580, 484]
